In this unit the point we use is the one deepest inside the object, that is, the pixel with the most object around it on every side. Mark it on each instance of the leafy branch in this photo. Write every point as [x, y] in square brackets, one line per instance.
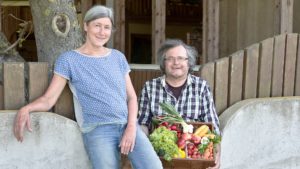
[25, 26]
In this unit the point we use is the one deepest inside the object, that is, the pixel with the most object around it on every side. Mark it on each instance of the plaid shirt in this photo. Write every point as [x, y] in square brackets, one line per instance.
[194, 104]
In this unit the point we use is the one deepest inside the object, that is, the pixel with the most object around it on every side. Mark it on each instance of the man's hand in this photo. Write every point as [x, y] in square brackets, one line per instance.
[217, 158]
[22, 119]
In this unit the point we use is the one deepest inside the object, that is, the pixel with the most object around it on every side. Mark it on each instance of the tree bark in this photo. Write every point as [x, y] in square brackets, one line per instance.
[56, 28]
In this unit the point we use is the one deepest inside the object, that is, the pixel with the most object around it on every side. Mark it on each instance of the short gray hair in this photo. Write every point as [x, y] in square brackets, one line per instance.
[97, 12]
[192, 53]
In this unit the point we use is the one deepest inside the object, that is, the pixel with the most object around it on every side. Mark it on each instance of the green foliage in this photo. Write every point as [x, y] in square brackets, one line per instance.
[164, 142]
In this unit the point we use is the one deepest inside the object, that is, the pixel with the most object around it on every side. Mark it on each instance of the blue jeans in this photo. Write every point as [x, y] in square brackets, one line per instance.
[102, 145]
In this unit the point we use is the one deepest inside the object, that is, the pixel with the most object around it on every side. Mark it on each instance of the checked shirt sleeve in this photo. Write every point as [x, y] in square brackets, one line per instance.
[208, 109]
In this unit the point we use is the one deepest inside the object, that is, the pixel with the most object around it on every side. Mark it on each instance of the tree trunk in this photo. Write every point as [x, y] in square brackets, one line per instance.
[56, 28]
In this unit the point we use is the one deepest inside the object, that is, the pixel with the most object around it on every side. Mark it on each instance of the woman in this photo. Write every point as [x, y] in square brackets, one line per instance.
[107, 104]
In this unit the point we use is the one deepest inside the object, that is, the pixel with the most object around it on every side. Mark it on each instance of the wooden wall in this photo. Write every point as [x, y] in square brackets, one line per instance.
[296, 21]
[243, 23]
[270, 68]
[10, 25]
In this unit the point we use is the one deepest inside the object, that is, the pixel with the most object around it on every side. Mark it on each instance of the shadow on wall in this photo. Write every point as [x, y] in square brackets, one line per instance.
[261, 133]
[55, 142]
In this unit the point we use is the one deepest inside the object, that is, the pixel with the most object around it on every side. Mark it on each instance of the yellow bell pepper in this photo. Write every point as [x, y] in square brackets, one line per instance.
[182, 153]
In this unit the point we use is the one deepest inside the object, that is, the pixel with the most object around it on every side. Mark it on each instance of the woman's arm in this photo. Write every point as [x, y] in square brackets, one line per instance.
[128, 139]
[43, 103]
[131, 102]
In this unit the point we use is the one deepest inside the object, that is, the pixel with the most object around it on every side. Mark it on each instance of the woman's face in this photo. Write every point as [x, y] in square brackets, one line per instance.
[98, 31]
[176, 63]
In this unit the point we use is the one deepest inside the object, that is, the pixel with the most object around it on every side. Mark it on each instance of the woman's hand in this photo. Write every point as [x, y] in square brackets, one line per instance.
[128, 139]
[22, 119]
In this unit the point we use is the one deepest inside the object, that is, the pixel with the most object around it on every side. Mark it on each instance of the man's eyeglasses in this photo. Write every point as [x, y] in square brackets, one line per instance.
[179, 59]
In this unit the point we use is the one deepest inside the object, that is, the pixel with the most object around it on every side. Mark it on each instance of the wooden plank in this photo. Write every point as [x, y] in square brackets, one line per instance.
[139, 79]
[278, 65]
[277, 17]
[207, 72]
[64, 105]
[136, 77]
[210, 30]
[235, 77]
[119, 34]
[14, 3]
[297, 81]
[125, 162]
[1, 12]
[158, 26]
[251, 72]
[296, 17]
[266, 20]
[228, 27]
[286, 13]
[265, 68]
[38, 79]
[221, 84]
[14, 85]
[1, 97]
[290, 65]
[247, 27]
[85, 6]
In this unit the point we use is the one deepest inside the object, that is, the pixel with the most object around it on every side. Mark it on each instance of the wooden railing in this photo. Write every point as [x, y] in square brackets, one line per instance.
[270, 68]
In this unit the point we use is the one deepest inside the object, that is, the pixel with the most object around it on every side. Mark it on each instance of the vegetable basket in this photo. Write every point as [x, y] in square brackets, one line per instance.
[188, 162]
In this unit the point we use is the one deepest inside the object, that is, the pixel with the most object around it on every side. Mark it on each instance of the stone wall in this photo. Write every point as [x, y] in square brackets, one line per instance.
[261, 133]
[54, 143]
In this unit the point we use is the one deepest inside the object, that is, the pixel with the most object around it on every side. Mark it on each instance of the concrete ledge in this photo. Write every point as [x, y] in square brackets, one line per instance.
[55, 142]
[261, 133]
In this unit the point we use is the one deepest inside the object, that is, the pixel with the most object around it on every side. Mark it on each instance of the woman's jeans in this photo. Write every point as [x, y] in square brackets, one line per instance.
[102, 145]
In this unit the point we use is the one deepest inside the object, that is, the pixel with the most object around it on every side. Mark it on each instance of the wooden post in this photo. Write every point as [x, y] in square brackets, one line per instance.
[210, 30]
[0, 16]
[85, 6]
[158, 26]
[286, 16]
[119, 34]
[297, 79]
[228, 27]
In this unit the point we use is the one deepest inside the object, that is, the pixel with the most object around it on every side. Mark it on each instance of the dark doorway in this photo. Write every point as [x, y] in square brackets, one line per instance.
[141, 49]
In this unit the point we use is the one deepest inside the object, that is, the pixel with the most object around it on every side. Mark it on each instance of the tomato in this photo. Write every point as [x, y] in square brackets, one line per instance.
[166, 124]
[174, 127]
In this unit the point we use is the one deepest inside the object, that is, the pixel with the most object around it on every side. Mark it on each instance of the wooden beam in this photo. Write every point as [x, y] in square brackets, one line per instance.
[210, 30]
[286, 16]
[228, 27]
[158, 26]
[0, 18]
[14, 3]
[85, 5]
[119, 34]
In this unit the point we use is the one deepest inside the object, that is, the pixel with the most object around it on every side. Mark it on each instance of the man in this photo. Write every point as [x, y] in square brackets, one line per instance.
[190, 95]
